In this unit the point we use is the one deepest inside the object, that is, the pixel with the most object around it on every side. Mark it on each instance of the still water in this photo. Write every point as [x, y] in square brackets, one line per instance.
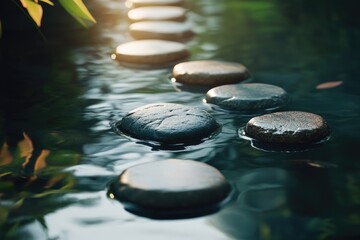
[59, 152]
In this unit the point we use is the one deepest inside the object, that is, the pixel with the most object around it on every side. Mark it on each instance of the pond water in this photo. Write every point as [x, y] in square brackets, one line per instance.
[60, 152]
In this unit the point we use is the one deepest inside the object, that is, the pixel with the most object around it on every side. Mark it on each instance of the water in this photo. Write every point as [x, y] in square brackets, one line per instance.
[64, 96]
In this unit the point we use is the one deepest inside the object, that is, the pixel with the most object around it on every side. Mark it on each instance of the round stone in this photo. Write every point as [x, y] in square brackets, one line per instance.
[171, 184]
[168, 123]
[167, 30]
[146, 3]
[210, 73]
[292, 127]
[159, 13]
[151, 53]
[247, 96]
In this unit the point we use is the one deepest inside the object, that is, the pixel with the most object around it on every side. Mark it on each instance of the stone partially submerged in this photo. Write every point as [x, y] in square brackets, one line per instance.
[166, 30]
[168, 123]
[171, 185]
[209, 73]
[247, 96]
[150, 53]
[147, 3]
[157, 13]
[292, 127]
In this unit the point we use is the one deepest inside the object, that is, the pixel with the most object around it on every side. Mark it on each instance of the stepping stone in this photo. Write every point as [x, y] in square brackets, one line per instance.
[167, 30]
[171, 184]
[247, 96]
[168, 123]
[146, 3]
[151, 53]
[159, 13]
[291, 127]
[209, 73]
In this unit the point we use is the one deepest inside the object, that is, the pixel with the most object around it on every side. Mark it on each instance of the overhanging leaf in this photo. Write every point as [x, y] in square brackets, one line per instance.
[34, 9]
[48, 2]
[78, 10]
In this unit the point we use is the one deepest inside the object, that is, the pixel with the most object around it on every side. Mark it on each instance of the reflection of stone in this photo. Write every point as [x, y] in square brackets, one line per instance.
[237, 223]
[166, 30]
[150, 53]
[262, 190]
[262, 199]
[247, 96]
[158, 13]
[168, 123]
[291, 127]
[210, 73]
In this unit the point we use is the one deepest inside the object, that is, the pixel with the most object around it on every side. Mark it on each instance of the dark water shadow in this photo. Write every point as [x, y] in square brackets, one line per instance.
[168, 214]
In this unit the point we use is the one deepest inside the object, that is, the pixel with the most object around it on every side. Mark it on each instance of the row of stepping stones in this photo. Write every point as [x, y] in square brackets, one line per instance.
[184, 188]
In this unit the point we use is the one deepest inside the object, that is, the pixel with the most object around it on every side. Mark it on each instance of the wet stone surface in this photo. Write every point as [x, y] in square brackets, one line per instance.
[150, 53]
[171, 184]
[247, 96]
[209, 73]
[168, 123]
[158, 13]
[146, 3]
[166, 30]
[292, 127]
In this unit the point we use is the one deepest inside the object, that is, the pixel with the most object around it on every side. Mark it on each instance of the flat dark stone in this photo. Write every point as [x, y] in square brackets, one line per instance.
[171, 184]
[291, 127]
[157, 13]
[168, 123]
[247, 96]
[209, 73]
[146, 3]
[166, 30]
[150, 53]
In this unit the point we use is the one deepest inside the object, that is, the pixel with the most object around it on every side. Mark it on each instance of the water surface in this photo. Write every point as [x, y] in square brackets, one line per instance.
[58, 104]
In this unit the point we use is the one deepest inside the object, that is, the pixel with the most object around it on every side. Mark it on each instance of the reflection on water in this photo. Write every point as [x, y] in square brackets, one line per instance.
[58, 152]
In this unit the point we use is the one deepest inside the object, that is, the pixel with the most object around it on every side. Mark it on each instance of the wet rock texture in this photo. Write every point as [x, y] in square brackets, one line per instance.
[168, 123]
[293, 127]
[247, 96]
[146, 3]
[157, 13]
[210, 73]
[171, 184]
[166, 30]
[150, 53]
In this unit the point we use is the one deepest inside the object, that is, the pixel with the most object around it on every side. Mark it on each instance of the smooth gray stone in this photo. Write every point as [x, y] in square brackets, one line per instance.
[168, 123]
[293, 127]
[172, 184]
[157, 13]
[209, 73]
[146, 3]
[150, 53]
[166, 30]
[247, 96]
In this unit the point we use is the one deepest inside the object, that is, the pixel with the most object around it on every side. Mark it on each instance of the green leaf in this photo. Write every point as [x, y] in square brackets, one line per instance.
[34, 9]
[78, 10]
[48, 2]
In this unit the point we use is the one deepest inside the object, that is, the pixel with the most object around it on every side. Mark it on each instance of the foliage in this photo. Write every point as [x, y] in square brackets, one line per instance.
[75, 8]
